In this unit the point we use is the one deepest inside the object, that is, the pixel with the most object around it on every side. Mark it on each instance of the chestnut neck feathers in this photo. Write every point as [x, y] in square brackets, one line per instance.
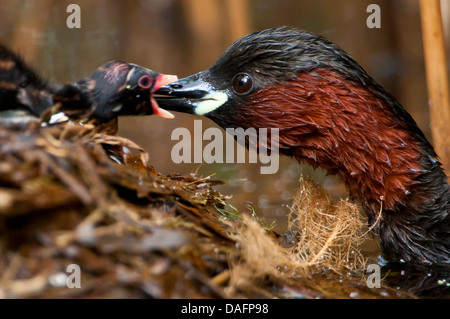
[384, 160]
[332, 114]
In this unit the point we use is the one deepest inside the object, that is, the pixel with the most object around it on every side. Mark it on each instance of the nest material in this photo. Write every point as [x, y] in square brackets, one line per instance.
[323, 237]
[75, 194]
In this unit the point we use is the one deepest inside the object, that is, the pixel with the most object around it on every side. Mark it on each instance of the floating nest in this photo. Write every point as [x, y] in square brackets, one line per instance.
[75, 197]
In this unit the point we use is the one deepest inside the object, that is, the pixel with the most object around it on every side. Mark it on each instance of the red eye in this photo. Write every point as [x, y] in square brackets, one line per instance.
[145, 82]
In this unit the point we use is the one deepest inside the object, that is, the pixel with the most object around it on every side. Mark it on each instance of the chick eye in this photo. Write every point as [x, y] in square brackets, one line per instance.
[242, 83]
[145, 82]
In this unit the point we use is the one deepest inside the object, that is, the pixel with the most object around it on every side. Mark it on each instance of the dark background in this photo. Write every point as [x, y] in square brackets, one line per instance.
[186, 36]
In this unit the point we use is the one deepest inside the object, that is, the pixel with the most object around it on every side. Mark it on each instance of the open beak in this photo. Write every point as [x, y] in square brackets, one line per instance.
[192, 95]
[162, 80]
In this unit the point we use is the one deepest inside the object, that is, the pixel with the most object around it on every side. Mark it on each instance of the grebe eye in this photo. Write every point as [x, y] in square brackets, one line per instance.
[145, 82]
[242, 83]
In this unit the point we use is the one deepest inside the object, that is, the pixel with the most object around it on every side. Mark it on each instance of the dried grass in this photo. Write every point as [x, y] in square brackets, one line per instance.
[325, 235]
[329, 231]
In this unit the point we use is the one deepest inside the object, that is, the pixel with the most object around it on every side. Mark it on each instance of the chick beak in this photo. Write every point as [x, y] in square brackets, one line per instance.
[192, 95]
[161, 80]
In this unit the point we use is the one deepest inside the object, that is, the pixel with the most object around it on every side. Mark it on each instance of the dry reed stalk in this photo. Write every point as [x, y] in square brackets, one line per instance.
[437, 78]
